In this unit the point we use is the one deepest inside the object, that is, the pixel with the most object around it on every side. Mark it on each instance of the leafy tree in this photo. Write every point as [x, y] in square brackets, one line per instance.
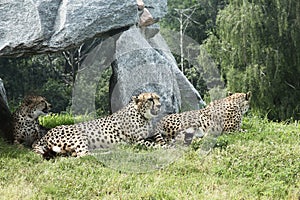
[256, 44]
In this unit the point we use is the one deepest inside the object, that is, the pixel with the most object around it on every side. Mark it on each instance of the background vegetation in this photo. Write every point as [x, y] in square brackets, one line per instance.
[45, 75]
[255, 45]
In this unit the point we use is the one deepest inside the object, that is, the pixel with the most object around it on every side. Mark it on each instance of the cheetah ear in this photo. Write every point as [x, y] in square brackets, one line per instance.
[248, 95]
[229, 93]
[28, 100]
[135, 99]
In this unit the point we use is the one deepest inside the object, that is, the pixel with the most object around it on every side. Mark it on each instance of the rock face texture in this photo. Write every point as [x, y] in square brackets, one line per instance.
[54, 25]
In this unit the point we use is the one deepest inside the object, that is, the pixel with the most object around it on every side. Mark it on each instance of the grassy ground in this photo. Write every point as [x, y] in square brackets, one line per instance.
[262, 163]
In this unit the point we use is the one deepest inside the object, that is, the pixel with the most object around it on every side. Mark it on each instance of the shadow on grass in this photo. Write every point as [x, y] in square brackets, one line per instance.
[130, 160]
[13, 151]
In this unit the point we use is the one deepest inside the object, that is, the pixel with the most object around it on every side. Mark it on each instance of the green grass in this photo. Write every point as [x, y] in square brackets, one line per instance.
[53, 120]
[261, 163]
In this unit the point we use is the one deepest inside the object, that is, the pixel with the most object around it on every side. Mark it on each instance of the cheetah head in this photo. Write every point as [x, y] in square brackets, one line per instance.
[243, 99]
[147, 104]
[36, 106]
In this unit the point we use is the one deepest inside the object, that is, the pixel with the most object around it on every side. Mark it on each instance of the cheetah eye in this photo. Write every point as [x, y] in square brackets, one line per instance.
[150, 99]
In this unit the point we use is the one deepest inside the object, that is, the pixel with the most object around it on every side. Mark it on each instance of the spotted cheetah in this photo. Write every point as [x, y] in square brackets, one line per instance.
[26, 128]
[224, 115]
[129, 125]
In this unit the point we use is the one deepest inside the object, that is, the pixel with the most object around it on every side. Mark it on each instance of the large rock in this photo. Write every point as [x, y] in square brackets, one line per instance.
[190, 97]
[145, 63]
[141, 62]
[54, 25]
[89, 74]
[140, 68]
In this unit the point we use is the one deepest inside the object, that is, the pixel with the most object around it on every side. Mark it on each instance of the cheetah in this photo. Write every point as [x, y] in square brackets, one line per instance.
[129, 125]
[224, 115]
[26, 127]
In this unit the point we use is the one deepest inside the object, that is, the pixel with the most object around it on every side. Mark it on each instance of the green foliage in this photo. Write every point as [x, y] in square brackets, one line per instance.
[50, 76]
[195, 19]
[260, 163]
[195, 77]
[91, 91]
[53, 120]
[256, 45]
[57, 93]
[102, 94]
[39, 75]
